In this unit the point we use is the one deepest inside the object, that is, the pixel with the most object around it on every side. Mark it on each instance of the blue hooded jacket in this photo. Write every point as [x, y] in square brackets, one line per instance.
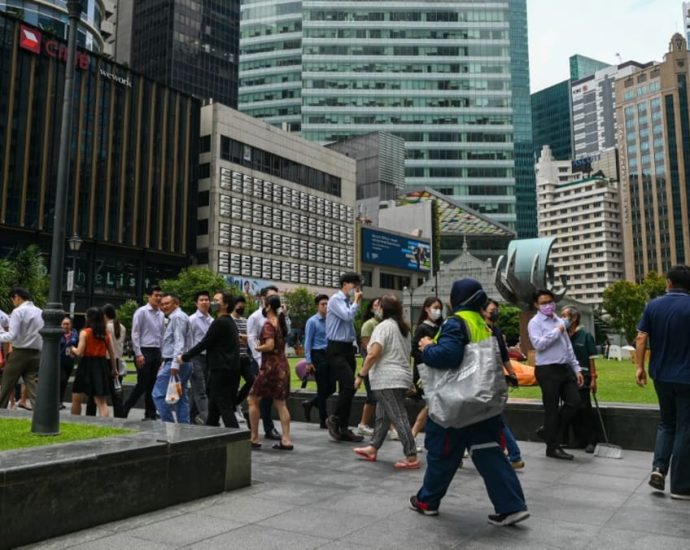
[449, 349]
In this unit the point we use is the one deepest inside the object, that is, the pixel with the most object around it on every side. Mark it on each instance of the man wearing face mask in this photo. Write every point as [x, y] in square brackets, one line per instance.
[557, 371]
[585, 350]
[340, 332]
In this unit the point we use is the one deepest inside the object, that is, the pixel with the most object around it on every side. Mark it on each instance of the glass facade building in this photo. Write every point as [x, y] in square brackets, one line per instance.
[552, 122]
[51, 16]
[191, 46]
[451, 78]
[133, 164]
[582, 66]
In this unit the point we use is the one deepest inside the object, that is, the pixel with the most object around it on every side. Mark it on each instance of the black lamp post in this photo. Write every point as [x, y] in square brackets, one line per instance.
[46, 419]
[75, 242]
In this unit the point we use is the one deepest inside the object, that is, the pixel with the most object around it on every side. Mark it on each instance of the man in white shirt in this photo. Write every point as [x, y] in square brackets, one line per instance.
[199, 321]
[23, 333]
[255, 323]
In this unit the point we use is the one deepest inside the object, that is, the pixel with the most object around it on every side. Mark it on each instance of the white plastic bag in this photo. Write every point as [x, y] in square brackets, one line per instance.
[172, 396]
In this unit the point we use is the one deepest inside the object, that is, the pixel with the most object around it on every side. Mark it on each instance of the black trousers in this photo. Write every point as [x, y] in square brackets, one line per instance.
[325, 387]
[248, 375]
[222, 392]
[557, 382]
[146, 379]
[341, 358]
[583, 423]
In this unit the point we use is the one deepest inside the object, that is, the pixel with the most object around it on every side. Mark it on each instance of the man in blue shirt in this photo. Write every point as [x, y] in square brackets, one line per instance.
[340, 332]
[315, 344]
[664, 325]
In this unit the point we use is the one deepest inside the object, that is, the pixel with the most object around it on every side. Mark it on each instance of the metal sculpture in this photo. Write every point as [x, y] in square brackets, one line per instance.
[525, 270]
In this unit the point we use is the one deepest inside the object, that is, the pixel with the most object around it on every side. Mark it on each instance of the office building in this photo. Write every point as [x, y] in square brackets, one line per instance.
[552, 110]
[594, 109]
[551, 122]
[686, 20]
[272, 207]
[654, 116]
[451, 78]
[380, 170]
[582, 66]
[580, 206]
[51, 16]
[190, 46]
[132, 182]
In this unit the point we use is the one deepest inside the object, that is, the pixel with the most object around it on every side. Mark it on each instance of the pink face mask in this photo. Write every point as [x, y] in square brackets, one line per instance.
[548, 309]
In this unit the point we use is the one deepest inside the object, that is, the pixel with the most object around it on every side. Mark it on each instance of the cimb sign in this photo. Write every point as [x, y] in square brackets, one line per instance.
[32, 40]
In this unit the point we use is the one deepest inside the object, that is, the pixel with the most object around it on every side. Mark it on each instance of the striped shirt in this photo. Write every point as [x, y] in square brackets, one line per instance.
[241, 323]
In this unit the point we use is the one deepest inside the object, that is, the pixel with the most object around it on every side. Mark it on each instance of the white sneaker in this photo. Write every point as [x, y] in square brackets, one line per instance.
[393, 435]
[678, 496]
[363, 429]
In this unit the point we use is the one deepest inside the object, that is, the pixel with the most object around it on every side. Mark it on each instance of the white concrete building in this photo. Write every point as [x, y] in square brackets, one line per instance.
[584, 214]
[593, 101]
[273, 208]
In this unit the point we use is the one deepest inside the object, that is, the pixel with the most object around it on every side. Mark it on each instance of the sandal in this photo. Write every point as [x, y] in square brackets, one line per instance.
[281, 447]
[366, 456]
[256, 445]
[407, 465]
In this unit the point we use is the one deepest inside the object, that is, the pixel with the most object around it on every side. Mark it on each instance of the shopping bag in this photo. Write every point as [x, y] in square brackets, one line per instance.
[470, 393]
[174, 392]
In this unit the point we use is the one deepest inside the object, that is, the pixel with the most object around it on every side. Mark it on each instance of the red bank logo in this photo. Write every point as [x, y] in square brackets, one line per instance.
[30, 39]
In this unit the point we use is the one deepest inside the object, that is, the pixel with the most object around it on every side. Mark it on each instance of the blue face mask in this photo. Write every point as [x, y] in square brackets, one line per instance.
[566, 322]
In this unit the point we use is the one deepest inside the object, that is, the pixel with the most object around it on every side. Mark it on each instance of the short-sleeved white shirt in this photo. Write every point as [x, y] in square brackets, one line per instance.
[392, 370]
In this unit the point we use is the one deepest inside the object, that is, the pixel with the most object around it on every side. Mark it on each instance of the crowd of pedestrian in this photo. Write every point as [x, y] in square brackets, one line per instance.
[205, 367]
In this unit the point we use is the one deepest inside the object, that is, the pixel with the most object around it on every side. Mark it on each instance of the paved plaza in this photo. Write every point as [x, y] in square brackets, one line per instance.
[321, 496]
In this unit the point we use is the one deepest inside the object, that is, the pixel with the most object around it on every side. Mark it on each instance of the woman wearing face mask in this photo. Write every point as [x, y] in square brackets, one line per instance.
[273, 380]
[430, 319]
[372, 316]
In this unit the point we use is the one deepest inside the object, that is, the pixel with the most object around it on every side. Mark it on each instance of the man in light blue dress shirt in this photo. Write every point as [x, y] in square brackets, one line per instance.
[557, 370]
[340, 332]
[175, 343]
[315, 344]
[199, 321]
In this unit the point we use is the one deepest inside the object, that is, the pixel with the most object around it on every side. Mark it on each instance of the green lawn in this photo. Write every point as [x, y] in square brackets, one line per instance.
[16, 434]
[616, 383]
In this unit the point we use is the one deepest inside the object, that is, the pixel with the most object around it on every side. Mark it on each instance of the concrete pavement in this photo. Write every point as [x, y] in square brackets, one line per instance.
[321, 496]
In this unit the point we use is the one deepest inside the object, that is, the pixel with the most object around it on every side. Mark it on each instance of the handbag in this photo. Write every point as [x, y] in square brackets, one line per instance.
[174, 392]
[470, 393]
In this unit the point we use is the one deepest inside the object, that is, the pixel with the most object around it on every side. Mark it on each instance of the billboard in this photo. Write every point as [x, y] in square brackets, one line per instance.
[383, 248]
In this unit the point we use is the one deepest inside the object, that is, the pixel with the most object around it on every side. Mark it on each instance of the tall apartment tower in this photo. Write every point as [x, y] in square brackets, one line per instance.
[190, 46]
[582, 210]
[451, 78]
[653, 107]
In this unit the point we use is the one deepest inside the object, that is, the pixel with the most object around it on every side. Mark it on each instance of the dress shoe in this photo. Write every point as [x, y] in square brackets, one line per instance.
[349, 435]
[333, 428]
[274, 435]
[307, 405]
[540, 433]
[557, 452]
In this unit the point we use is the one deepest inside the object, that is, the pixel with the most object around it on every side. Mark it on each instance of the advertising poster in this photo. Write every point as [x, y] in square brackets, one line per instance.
[382, 248]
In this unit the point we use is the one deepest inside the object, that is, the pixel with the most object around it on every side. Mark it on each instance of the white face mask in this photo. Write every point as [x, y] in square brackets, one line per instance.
[351, 293]
[435, 314]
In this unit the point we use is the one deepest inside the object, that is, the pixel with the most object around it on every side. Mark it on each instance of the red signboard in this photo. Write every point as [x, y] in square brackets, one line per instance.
[30, 39]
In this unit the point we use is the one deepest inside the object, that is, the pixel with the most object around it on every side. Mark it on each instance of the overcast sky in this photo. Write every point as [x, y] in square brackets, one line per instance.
[636, 29]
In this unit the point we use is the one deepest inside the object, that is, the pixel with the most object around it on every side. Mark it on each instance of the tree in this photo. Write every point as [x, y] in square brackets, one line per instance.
[27, 270]
[654, 285]
[509, 322]
[301, 306]
[624, 302]
[125, 313]
[192, 280]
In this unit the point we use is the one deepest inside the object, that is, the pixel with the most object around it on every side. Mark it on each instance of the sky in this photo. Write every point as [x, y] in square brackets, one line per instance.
[638, 30]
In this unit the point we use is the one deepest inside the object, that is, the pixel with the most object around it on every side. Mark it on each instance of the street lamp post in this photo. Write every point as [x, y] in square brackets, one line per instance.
[75, 242]
[46, 419]
[410, 290]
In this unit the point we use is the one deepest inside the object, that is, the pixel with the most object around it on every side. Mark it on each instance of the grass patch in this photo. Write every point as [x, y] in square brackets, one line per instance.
[16, 434]
[616, 383]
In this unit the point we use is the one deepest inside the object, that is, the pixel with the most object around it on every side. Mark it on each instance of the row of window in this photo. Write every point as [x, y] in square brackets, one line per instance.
[281, 167]
[476, 85]
[416, 51]
[255, 240]
[403, 102]
[414, 14]
[407, 34]
[231, 263]
[407, 67]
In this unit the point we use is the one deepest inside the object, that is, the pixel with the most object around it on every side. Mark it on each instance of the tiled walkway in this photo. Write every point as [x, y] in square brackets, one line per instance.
[321, 496]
